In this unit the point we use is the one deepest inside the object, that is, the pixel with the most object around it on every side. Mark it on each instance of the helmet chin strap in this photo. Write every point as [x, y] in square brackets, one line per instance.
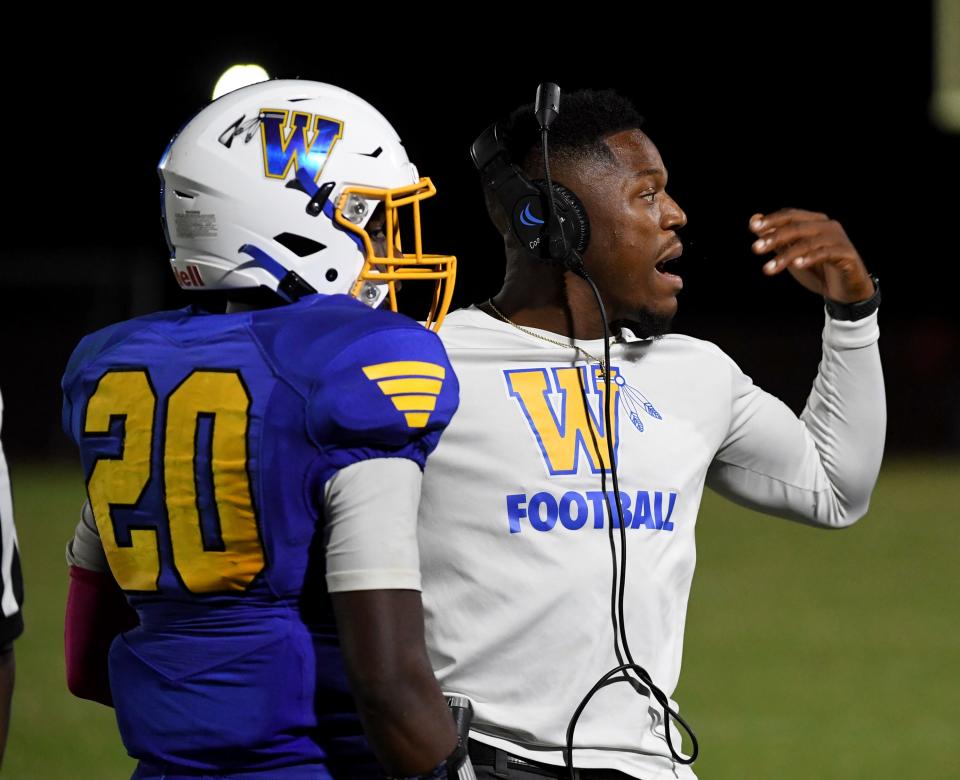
[290, 285]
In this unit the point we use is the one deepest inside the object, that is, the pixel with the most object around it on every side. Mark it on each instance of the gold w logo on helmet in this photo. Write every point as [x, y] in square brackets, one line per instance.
[303, 141]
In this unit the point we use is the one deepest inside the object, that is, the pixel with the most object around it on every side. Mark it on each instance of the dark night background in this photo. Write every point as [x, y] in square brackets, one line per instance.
[825, 110]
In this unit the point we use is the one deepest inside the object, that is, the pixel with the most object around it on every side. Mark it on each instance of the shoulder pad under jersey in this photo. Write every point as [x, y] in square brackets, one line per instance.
[388, 393]
[94, 345]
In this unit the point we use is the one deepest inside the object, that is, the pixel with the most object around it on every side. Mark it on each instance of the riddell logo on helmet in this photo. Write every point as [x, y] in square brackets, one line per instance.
[189, 277]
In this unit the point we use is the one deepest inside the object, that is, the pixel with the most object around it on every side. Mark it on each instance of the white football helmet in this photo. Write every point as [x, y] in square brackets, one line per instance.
[274, 185]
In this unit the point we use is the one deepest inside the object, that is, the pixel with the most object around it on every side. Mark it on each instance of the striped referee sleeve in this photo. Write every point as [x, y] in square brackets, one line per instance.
[11, 578]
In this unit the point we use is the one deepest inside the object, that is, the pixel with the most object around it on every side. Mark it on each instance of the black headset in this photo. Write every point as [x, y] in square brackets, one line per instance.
[561, 239]
[547, 219]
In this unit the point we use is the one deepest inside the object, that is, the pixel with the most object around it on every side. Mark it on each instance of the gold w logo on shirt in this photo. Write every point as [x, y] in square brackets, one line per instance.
[412, 385]
[568, 425]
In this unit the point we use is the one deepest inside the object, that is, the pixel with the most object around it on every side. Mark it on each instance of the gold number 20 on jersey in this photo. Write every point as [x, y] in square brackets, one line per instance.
[121, 482]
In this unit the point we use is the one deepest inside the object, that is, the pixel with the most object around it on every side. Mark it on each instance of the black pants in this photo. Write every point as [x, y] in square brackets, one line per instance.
[491, 763]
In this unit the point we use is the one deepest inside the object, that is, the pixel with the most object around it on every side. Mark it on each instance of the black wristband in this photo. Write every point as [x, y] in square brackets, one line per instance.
[855, 311]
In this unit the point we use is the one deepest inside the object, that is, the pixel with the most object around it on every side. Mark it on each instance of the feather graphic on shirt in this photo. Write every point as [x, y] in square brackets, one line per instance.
[634, 401]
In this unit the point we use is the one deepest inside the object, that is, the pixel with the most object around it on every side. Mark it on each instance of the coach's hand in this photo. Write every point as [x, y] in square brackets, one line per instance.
[816, 251]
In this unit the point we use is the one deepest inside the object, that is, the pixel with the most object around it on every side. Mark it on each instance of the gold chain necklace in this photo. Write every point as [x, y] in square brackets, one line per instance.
[502, 316]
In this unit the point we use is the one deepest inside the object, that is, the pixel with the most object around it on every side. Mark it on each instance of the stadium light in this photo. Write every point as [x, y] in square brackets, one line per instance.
[238, 76]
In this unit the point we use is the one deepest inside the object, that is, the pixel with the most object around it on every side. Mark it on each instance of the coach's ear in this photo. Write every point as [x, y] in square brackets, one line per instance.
[498, 217]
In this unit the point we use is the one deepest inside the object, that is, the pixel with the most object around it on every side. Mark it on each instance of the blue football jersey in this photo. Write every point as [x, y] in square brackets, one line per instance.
[206, 440]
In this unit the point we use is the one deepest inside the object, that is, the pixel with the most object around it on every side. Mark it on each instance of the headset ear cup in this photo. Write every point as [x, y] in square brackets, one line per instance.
[576, 223]
[576, 214]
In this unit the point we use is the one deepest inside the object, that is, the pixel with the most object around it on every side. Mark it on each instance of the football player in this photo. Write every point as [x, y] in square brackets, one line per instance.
[253, 476]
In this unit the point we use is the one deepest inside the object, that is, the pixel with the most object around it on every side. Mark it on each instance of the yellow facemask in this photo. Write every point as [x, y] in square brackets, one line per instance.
[396, 265]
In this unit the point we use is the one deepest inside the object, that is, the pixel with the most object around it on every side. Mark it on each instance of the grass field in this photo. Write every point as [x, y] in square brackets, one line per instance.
[809, 654]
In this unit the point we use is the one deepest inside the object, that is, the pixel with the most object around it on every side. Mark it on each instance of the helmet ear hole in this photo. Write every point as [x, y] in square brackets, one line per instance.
[301, 246]
[332, 274]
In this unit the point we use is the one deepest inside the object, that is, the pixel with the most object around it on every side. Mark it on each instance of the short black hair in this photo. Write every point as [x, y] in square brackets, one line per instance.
[587, 116]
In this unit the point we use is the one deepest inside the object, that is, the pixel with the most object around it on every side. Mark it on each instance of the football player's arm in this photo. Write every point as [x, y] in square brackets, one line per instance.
[97, 611]
[822, 467]
[373, 575]
[11, 618]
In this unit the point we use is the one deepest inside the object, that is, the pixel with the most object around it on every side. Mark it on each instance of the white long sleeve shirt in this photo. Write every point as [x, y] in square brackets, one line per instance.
[513, 529]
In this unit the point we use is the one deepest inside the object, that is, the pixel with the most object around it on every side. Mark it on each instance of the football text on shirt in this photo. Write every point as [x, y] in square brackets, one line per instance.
[650, 509]
[564, 410]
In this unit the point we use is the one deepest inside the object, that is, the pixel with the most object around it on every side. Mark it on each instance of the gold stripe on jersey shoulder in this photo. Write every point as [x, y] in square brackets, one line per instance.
[412, 386]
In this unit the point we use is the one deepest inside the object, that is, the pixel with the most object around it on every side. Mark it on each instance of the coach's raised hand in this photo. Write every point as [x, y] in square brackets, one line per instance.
[816, 251]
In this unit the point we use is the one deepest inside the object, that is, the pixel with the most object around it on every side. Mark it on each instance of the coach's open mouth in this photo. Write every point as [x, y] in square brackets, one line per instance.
[673, 256]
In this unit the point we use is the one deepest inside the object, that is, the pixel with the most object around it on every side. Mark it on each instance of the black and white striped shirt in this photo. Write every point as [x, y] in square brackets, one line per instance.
[11, 579]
